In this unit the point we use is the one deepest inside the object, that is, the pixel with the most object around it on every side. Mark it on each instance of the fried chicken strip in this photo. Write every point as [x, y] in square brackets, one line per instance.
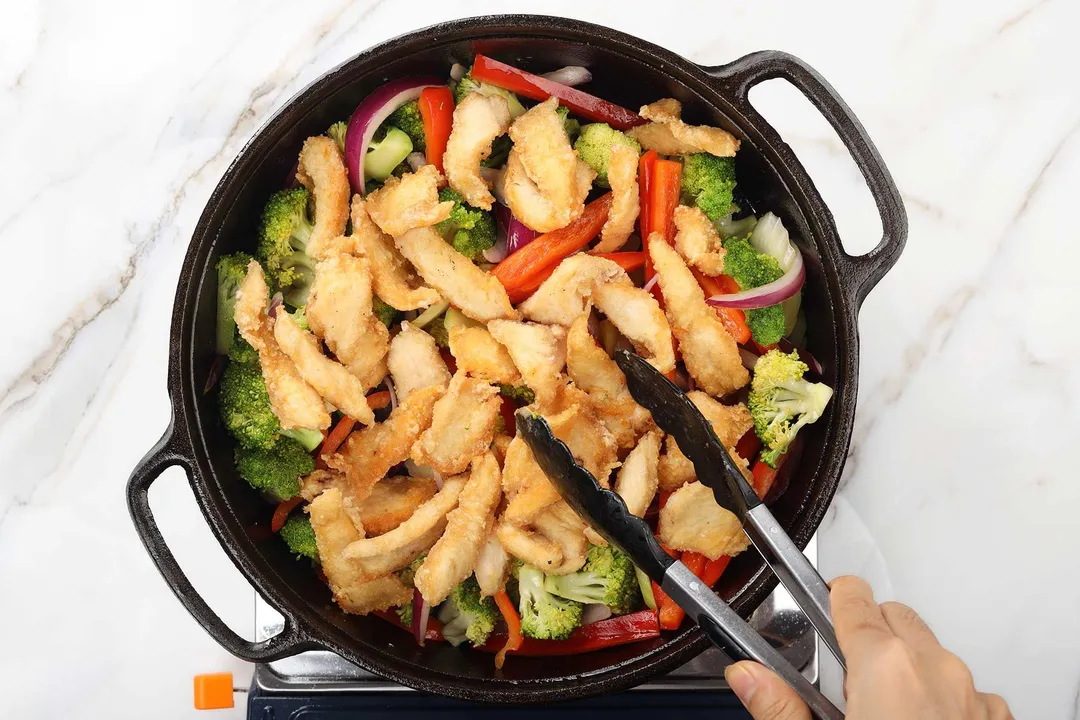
[480, 355]
[411, 201]
[393, 500]
[329, 378]
[638, 316]
[729, 422]
[296, 404]
[492, 565]
[565, 295]
[538, 352]
[697, 241]
[479, 295]
[667, 134]
[637, 480]
[455, 554]
[692, 520]
[334, 531]
[462, 425]
[339, 311]
[414, 362]
[529, 546]
[321, 170]
[478, 120]
[625, 202]
[393, 279]
[710, 353]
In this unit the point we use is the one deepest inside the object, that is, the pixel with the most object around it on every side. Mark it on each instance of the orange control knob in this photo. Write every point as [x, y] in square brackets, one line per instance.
[213, 691]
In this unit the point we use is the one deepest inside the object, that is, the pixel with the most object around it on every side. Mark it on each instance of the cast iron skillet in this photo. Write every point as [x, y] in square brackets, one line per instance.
[628, 71]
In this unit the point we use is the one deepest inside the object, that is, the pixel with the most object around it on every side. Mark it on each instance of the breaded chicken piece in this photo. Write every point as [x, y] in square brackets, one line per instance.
[393, 279]
[545, 182]
[637, 315]
[381, 565]
[296, 404]
[478, 120]
[564, 528]
[480, 355]
[419, 523]
[492, 564]
[393, 500]
[667, 134]
[594, 372]
[330, 379]
[697, 241]
[321, 170]
[710, 353]
[319, 481]
[369, 454]
[538, 352]
[676, 470]
[565, 295]
[529, 546]
[529, 488]
[334, 531]
[625, 199]
[729, 422]
[638, 480]
[455, 554]
[339, 311]
[414, 362]
[411, 201]
[462, 425]
[479, 295]
[692, 520]
[499, 445]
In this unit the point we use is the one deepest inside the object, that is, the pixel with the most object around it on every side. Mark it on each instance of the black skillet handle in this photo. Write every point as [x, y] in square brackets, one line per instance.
[174, 449]
[738, 77]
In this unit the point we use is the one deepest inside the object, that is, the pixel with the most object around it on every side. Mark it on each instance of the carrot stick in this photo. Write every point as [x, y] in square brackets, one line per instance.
[281, 512]
[628, 261]
[378, 400]
[519, 272]
[513, 626]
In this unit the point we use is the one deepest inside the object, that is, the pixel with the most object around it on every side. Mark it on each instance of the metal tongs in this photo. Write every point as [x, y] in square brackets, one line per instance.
[606, 512]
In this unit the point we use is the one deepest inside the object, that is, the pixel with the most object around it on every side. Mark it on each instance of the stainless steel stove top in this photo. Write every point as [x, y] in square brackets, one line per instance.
[778, 619]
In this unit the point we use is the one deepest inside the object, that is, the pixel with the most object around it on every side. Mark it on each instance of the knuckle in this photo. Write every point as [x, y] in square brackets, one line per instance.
[897, 656]
[901, 613]
[955, 668]
[996, 707]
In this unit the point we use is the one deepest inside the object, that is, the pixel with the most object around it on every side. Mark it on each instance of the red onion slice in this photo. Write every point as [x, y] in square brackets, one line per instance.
[457, 71]
[652, 281]
[768, 294]
[416, 160]
[749, 358]
[571, 75]
[804, 355]
[393, 394]
[275, 302]
[595, 613]
[421, 611]
[497, 252]
[517, 234]
[370, 114]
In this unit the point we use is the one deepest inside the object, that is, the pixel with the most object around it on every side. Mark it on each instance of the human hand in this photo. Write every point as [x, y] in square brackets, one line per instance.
[897, 669]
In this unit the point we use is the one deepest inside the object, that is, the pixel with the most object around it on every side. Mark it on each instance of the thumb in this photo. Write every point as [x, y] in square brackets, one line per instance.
[764, 694]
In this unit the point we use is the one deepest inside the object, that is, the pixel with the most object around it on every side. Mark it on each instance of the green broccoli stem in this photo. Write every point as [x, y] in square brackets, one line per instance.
[308, 439]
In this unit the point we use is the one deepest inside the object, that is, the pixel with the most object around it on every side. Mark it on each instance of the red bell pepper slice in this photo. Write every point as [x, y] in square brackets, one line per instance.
[646, 171]
[710, 575]
[535, 87]
[764, 477]
[618, 630]
[748, 445]
[522, 272]
[628, 261]
[734, 320]
[436, 106]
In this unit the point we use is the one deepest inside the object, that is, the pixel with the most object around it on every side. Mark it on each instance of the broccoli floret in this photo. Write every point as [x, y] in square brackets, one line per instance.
[385, 312]
[245, 407]
[752, 269]
[608, 577]
[386, 152]
[276, 471]
[407, 573]
[470, 230]
[571, 125]
[709, 180]
[404, 613]
[300, 318]
[782, 402]
[242, 353]
[407, 119]
[594, 147]
[500, 151]
[518, 394]
[337, 134]
[468, 616]
[467, 85]
[300, 537]
[545, 616]
[231, 271]
[283, 237]
[437, 330]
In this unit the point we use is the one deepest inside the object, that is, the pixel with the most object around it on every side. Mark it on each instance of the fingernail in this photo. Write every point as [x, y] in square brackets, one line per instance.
[742, 682]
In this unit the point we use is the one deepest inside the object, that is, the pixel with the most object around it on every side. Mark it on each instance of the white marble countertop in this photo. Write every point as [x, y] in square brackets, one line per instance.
[117, 119]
